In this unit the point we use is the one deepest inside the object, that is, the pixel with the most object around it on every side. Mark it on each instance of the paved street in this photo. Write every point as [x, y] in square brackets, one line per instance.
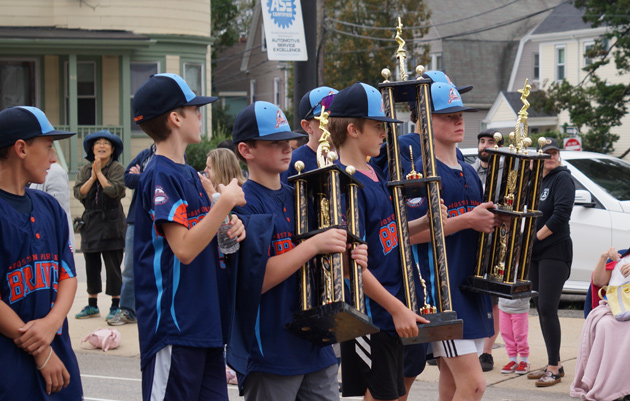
[115, 374]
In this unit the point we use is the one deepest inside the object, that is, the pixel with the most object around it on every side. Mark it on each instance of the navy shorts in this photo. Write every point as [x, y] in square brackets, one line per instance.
[185, 373]
[415, 359]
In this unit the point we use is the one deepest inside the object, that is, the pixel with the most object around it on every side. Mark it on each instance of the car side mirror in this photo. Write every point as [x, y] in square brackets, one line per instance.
[583, 198]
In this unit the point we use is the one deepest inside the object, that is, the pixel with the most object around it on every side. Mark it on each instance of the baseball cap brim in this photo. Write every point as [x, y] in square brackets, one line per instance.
[464, 89]
[57, 135]
[383, 119]
[455, 109]
[550, 147]
[281, 136]
[201, 100]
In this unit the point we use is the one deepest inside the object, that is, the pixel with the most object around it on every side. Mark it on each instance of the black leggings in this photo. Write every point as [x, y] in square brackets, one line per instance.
[548, 277]
[112, 259]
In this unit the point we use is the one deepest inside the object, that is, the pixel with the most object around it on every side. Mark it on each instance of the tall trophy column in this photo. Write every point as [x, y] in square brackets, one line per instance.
[444, 324]
[325, 318]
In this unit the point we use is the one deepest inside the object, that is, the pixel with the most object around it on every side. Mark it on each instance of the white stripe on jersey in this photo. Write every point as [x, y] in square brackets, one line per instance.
[161, 370]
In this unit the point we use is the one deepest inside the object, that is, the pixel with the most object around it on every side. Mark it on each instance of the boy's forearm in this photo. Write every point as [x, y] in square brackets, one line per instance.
[375, 290]
[186, 243]
[10, 322]
[281, 267]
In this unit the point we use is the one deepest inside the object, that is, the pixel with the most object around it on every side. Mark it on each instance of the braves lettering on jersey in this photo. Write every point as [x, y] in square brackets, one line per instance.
[176, 304]
[378, 228]
[461, 192]
[275, 350]
[35, 256]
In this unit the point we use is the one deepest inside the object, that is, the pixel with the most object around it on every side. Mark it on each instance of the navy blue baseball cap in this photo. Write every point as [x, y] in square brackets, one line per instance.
[162, 93]
[360, 100]
[446, 99]
[439, 76]
[88, 144]
[26, 122]
[262, 121]
[311, 102]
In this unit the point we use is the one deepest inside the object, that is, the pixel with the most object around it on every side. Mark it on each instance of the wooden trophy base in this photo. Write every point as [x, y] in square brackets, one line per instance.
[442, 326]
[519, 289]
[331, 323]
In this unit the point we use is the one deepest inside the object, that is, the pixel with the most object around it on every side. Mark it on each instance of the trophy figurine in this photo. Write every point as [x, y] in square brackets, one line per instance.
[503, 257]
[444, 324]
[324, 317]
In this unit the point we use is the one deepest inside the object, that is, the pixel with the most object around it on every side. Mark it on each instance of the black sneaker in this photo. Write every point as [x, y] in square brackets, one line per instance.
[486, 361]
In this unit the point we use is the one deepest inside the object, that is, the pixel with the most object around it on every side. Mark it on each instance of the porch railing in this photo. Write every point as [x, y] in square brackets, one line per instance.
[71, 156]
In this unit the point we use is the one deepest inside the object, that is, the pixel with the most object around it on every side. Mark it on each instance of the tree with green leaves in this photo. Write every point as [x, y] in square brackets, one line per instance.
[359, 38]
[595, 106]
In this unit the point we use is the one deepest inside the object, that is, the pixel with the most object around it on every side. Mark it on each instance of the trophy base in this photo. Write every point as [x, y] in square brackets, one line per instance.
[442, 326]
[332, 323]
[520, 289]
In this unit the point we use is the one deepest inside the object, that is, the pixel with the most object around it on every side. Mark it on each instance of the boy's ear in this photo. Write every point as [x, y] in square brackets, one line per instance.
[174, 119]
[353, 130]
[306, 126]
[20, 148]
[245, 151]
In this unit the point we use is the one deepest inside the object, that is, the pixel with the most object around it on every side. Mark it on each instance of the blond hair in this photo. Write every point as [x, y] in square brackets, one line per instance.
[225, 166]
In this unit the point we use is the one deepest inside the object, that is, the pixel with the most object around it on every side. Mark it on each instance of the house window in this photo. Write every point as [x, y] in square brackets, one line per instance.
[252, 91]
[276, 91]
[140, 72]
[263, 39]
[587, 47]
[86, 93]
[17, 83]
[560, 60]
[536, 66]
[436, 62]
[193, 75]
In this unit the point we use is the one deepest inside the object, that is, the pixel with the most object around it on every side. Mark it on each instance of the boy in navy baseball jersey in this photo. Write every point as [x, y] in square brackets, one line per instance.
[461, 376]
[373, 365]
[310, 107]
[175, 251]
[415, 355]
[281, 366]
[37, 277]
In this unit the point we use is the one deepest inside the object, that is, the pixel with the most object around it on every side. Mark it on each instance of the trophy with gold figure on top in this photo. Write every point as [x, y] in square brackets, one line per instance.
[444, 324]
[513, 183]
[324, 316]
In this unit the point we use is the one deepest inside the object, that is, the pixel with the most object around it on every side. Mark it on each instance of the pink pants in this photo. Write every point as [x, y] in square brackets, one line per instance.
[514, 328]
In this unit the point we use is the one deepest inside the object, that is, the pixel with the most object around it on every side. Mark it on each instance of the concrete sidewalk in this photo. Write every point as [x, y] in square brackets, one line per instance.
[519, 387]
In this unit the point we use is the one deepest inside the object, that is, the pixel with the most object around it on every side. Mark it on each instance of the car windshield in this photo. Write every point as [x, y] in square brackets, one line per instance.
[611, 175]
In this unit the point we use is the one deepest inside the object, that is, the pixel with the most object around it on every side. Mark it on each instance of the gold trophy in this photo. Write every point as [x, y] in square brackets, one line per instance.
[503, 257]
[324, 317]
[444, 324]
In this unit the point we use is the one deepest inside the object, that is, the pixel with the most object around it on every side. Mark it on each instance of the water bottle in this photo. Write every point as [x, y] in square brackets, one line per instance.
[227, 245]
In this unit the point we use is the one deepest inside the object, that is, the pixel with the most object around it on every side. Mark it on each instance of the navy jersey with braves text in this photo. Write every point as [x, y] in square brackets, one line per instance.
[378, 229]
[305, 154]
[35, 256]
[276, 350]
[177, 304]
[462, 192]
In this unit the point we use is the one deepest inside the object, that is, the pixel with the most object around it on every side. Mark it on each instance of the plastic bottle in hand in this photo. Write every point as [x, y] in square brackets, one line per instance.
[227, 245]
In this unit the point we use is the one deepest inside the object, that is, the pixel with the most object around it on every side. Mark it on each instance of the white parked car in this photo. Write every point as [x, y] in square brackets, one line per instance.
[601, 213]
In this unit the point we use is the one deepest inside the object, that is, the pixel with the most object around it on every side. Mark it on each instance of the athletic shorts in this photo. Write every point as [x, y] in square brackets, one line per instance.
[415, 359]
[373, 362]
[315, 386]
[453, 348]
[185, 373]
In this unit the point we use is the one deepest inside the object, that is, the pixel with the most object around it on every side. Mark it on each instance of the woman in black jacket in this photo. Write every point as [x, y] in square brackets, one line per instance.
[551, 257]
[100, 187]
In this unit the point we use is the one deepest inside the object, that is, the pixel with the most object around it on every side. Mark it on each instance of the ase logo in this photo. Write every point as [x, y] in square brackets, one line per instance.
[545, 194]
[282, 12]
[159, 196]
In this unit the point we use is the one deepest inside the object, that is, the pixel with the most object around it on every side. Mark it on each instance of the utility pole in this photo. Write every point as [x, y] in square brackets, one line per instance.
[305, 72]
